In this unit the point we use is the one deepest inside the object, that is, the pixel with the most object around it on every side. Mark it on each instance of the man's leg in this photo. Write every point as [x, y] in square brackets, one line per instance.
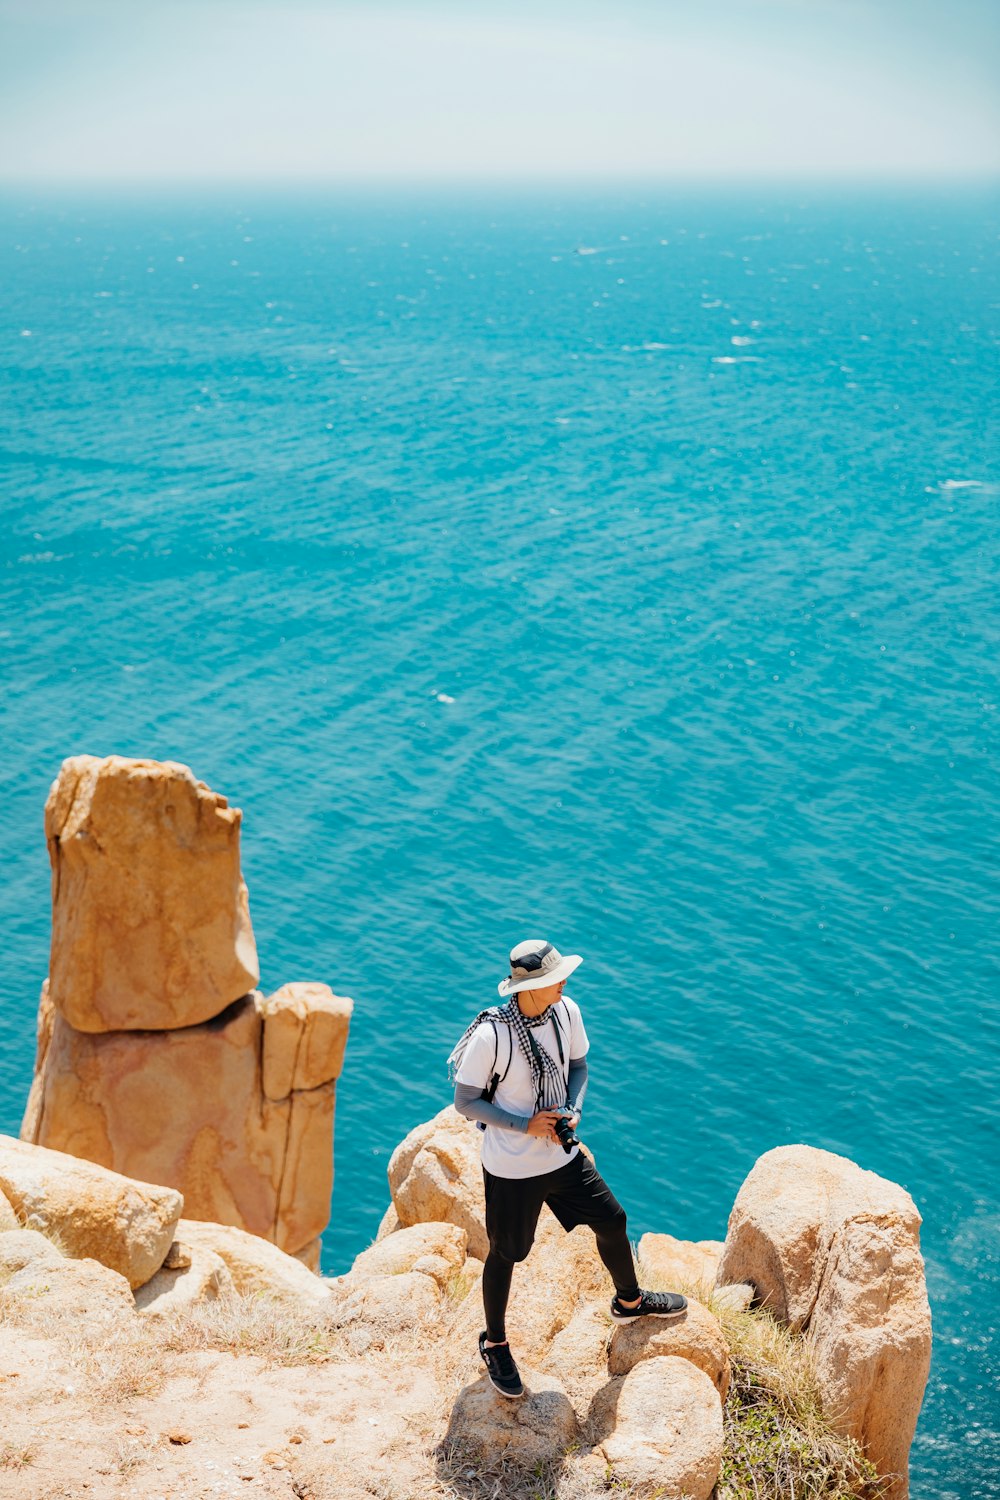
[616, 1252]
[497, 1274]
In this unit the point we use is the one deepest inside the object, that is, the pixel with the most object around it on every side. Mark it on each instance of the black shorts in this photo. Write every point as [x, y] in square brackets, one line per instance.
[576, 1193]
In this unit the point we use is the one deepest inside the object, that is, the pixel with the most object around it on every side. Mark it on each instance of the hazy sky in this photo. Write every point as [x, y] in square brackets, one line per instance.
[205, 90]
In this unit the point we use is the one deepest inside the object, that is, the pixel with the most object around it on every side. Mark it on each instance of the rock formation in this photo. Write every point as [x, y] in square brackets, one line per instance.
[91, 1212]
[155, 1057]
[150, 922]
[834, 1251]
[638, 1405]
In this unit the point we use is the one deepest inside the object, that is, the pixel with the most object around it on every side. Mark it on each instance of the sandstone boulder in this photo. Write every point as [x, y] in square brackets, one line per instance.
[19, 1247]
[188, 1108]
[126, 1225]
[666, 1437]
[8, 1218]
[537, 1429]
[435, 1250]
[385, 1308]
[150, 918]
[578, 1355]
[871, 1337]
[435, 1174]
[696, 1336]
[305, 1033]
[673, 1264]
[834, 1250]
[255, 1265]
[786, 1214]
[49, 1290]
[181, 1287]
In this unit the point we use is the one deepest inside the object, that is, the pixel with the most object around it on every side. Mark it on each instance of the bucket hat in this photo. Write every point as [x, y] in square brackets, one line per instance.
[534, 964]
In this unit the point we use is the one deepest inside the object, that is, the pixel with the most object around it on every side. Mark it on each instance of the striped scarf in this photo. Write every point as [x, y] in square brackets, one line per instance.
[548, 1077]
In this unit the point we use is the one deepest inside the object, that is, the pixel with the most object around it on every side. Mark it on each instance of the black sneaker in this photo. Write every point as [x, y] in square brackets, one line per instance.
[651, 1305]
[501, 1369]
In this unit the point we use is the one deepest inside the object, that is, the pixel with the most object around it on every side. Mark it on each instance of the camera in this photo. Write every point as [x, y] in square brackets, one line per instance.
[566, 1134]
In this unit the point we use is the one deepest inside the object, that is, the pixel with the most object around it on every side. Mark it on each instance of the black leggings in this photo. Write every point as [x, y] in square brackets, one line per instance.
[613, 1248]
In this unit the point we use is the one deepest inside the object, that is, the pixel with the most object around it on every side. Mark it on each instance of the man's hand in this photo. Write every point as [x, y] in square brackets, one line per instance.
[543, 1125]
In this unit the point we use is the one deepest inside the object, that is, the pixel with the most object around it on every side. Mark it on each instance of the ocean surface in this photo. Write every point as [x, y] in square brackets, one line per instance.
[620, 570]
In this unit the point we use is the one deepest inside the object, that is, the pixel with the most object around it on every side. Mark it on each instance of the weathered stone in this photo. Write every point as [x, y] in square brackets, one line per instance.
[305, 1033]
[255, 1265]
[389, 1223]
[19, 1247]
[674, 1264]
[537, 1429]
[871, 1336]
[738, 1296]
[150, 919]
[47, 1290]
[785, 1217]
[435, 1250]
[696, 1336]
[310, 1254]
[435, 1174]
[381, 1308]
[185, 1108]
[667, 1429]
[579, 1353]
[205, 1278]
[126, 1225]
[834, 1250]
[8, 1218]
[177, 1258]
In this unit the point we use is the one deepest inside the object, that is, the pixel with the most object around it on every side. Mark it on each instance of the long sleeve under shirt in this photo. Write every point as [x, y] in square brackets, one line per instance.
[470, 1102]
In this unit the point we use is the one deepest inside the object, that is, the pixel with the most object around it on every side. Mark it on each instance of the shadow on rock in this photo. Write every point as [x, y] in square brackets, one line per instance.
[490, 1436]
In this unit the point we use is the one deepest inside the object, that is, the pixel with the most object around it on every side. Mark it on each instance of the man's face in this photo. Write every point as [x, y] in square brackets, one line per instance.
[547, 995]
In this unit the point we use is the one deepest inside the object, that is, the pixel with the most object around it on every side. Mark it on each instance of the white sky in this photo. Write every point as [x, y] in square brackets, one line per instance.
[221, 90]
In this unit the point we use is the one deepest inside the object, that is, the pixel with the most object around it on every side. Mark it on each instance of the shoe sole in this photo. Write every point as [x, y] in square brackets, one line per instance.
[637, 1317]
[510, 1395]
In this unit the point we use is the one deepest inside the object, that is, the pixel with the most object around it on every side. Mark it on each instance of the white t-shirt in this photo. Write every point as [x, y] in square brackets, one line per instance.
[510, 1153]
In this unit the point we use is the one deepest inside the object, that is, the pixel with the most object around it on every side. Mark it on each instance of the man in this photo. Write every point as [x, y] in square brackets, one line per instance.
[534, 1050]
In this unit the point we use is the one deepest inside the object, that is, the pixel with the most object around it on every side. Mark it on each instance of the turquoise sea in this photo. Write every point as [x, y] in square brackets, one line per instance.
[616, 569]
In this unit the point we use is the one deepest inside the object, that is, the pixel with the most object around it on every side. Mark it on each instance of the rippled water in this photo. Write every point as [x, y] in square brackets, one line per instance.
[617, 571]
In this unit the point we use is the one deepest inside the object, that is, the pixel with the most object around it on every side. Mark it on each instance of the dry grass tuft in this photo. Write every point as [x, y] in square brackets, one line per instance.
[277, 1332]
[777, 1440]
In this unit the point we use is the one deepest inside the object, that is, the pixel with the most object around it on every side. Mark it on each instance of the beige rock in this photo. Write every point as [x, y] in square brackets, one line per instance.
[667, 1433]
[255, 1265]
[205, 1278]
[835, 1250]
[871, 1335]
[389, 1223]
[20, 1247]
[177, 1258]
[305, 1033]
[562, 1271]
[697, 1337]
[738, 1296]
[185, 1108]
[435, 1174]
[435, 1250]
[674, 1264]
[536, 1429]
[150, 920]
[785, 1218]
[47, 1290]
[382, 1308]
[310, 1254]
[578, 1356]
[8, 1218]
[126, 1225]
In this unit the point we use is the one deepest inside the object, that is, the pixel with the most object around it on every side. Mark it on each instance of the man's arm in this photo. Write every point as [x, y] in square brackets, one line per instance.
[576, 1085]
[470, 1103]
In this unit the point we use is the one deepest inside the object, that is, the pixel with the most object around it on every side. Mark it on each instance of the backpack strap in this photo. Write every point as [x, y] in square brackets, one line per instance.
[495, 1077]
